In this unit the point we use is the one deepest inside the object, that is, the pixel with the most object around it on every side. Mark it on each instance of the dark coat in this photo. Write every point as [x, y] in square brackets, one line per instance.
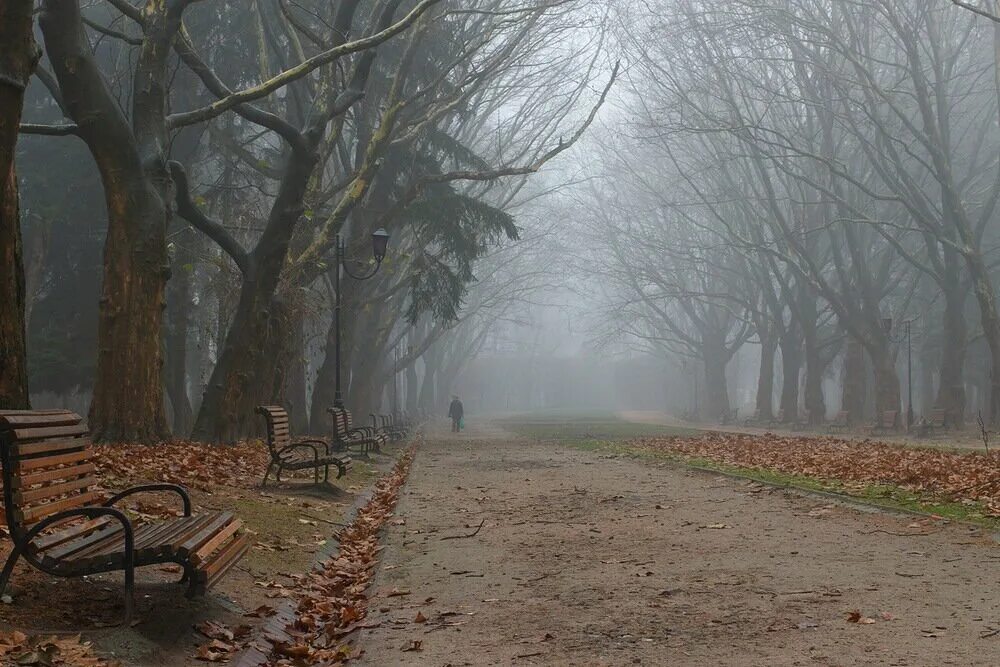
[456, 410]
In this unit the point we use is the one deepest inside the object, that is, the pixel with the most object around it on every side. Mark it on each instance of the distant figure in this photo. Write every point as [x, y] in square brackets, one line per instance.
[456, 411]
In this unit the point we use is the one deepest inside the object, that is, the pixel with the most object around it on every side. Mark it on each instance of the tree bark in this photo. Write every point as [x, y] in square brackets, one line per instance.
[127, 403]
[179, 300]
[815, 367]
[886, 381]
[765, 378]
[18, 57]
[715, 358]
[954, 346]
[237, 385]
[791, 366]
[323, 391]
[854, 385]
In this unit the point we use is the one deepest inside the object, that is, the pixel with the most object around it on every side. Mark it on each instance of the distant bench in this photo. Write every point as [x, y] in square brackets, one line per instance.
[346, 436]
[300, 453]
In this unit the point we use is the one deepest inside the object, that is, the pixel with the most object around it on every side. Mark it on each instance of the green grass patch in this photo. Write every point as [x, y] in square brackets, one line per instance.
[609, 435]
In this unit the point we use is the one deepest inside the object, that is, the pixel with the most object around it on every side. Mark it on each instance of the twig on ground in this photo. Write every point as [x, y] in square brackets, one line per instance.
[319, 518]
[462, 537]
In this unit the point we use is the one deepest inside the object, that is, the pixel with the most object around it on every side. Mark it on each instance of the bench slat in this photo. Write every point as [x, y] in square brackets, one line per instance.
[23, 481]
[23, 449]
[202, 536]
[48, 432]
[224, 559]
[74, 532]
[206, 549]
[52, 490]
[46, 419]
[21, 465]
[39, 512]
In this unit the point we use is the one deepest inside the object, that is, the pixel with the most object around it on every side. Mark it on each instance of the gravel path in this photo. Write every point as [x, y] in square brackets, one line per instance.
[587, 560]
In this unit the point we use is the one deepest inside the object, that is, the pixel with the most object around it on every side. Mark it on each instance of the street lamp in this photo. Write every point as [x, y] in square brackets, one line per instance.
[380, 243]
[887, 327]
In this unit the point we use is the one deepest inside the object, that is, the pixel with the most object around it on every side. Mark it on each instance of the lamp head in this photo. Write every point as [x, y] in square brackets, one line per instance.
[380, 243]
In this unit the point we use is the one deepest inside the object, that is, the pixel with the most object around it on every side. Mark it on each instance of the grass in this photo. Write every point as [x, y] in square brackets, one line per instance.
[608, 434]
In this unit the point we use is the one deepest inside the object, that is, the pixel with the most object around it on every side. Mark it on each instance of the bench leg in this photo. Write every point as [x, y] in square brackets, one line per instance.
[277, 475]
[267, 472]
[326, 473]
[8, 567]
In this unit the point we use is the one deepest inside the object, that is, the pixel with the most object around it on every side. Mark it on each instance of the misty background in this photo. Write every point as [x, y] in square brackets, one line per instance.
[673, 205]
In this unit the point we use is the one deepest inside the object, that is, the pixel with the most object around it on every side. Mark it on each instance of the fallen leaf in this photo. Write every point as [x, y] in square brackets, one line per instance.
[412, 645]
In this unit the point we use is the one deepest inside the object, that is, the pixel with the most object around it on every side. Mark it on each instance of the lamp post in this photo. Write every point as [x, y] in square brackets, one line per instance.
[887, 326]
[395, 381]
[380, 242]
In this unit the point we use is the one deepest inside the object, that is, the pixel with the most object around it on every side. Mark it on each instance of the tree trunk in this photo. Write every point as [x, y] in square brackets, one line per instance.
[18, 56]
[814, 366]
[791, 366]
[323, 389]
[715, 358]
[127, 403]
[954, 346]
[412, 406]
[854, 384]
[765, 378]
[243, 376]
[886, 381]
[292, 374]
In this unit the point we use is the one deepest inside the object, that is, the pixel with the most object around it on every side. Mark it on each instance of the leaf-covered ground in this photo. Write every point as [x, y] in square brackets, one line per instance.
[958, 476]
[290, 524]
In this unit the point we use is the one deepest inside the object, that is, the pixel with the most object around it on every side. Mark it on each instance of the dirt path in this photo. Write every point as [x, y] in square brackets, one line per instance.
[586, 560]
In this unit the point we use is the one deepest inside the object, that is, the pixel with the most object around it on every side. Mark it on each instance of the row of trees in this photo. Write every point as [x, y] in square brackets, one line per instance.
[227, 179]
[805, 176]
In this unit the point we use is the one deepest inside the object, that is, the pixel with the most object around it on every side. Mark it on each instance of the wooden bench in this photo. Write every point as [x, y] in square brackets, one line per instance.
[755, 418]
[386, 425]
[298, 453]
[937, 418]
[61, 523]
[841, 422]
[730, 417]
[803, 420]
[779, 418]
[887, 422]
[346, 436]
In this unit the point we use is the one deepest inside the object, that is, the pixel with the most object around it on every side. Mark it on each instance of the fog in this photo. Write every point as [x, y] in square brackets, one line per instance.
[720, 211]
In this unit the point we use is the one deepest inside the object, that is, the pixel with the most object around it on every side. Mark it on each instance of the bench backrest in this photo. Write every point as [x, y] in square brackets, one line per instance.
[843, 417]
[889, 419]
[938, 416]
[48, 467]
[278, 434]
[342, 422]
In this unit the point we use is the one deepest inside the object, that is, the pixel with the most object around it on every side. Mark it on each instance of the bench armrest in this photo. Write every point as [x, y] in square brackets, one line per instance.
[313, 441]
[152, 488]
[302, 445]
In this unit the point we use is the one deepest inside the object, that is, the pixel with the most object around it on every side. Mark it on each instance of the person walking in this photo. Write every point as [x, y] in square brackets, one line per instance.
[457, 413]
